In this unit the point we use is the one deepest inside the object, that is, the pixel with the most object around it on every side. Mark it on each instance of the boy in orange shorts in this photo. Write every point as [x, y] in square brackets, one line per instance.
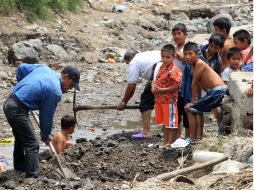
[165, 89]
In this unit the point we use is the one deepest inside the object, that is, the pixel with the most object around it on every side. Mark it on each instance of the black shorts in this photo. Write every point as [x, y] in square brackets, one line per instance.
[181, 112]
[147, 99]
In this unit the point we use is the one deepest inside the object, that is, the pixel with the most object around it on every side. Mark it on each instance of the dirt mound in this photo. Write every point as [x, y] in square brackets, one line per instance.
[104, 162]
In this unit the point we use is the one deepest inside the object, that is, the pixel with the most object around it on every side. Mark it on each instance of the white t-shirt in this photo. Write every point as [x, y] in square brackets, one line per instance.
[141, 65]
[156, 70]
[226, 74]
[179, 63]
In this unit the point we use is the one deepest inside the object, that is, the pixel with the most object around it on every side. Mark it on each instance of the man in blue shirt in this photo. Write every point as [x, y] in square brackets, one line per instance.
[38, 88]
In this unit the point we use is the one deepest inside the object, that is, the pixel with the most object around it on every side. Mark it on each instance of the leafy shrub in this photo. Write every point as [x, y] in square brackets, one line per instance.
[39, 9]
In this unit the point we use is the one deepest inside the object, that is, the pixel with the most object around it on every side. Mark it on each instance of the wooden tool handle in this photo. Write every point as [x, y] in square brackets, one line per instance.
[51, 147]
[103, 107]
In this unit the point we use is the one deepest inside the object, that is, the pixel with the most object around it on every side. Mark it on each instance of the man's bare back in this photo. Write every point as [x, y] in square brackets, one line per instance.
[223, 52]
[205, 76]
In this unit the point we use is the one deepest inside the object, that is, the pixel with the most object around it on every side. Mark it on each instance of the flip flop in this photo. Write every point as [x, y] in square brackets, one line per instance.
[140, 136]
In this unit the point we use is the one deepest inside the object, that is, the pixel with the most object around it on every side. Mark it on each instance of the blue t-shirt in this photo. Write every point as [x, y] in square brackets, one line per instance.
[39, 88]
[214, 62]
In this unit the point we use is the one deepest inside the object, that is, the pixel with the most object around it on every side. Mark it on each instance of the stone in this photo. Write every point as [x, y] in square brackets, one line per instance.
[9, 185]
[57, 50]
[146, 34]
[89, 57]
[81, 140]
[201, 38]
[228, 108]
[24, 51]
[3, 75]
[228, 167]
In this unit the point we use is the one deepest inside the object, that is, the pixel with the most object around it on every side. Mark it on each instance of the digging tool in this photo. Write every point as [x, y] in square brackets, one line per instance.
[102, 107]
[65, 172]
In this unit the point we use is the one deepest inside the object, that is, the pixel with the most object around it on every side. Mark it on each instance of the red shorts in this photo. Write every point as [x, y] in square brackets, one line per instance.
[167, 115]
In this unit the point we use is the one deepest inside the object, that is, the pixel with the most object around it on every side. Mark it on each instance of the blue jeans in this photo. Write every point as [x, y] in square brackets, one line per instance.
[26, 146]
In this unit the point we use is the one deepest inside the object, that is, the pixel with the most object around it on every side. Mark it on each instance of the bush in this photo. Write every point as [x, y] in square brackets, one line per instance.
[39, 9]
[7, 7]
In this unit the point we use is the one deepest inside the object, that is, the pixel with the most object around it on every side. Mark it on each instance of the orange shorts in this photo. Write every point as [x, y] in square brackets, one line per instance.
[167, 115]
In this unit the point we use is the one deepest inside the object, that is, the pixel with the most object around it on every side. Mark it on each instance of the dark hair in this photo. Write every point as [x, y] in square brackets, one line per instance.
[191, 46]
[232, 51]
[168, 48]
[217, 39]
[129, 53]
[67, 121]
[179, 26]
[223, 22]
[242, 35]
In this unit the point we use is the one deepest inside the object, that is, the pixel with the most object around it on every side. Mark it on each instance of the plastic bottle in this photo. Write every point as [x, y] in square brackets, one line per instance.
[204, 156]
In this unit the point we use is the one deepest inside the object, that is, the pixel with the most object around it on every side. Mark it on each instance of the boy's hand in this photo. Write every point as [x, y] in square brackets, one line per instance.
[187, 106]
[154, 88]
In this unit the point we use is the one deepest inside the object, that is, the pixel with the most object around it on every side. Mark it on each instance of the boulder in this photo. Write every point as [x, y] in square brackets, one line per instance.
[25, 51]
[57, 50]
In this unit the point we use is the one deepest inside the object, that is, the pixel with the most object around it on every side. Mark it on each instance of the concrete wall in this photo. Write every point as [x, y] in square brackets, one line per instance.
[239, 107]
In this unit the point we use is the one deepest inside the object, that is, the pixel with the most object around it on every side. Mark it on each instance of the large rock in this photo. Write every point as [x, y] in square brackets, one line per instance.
[25, 51]
[209, 24]
[57, 50]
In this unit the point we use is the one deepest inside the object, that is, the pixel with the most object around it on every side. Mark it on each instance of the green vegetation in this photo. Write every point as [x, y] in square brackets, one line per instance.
[39, 9]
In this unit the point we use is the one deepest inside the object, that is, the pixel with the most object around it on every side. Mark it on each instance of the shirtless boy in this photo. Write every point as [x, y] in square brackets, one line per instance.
[205, 78]
[61, 139]
[222, 25]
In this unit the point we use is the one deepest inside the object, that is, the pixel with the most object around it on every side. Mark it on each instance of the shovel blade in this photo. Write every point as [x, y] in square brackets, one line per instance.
[68, 174]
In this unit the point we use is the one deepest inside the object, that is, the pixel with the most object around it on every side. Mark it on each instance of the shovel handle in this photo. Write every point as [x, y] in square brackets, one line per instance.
[57, 159]
[78, 108]
[51, 146]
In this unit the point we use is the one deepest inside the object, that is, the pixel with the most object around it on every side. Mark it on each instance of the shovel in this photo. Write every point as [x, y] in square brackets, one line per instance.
[65, 172]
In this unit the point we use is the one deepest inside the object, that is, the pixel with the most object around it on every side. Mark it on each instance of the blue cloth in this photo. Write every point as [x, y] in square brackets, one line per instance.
[211, 100]
[4, 161]
[214, 62]
[248, 67]
[186, 84]
[39, 88]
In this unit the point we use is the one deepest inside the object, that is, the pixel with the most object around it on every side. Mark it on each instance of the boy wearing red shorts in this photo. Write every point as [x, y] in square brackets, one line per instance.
[165, 89]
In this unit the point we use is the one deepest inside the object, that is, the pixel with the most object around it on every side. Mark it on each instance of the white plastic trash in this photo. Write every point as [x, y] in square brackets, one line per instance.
[250, 160]
[179, 143]
[204, 156]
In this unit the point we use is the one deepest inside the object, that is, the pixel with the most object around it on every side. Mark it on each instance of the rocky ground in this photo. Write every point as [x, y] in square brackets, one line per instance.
[84, 41]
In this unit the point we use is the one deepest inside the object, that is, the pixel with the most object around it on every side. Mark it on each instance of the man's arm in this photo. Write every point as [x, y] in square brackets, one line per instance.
[130, 89]
[47, 111]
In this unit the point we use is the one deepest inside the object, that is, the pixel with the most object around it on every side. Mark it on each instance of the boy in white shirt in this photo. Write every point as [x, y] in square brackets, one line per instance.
[234, 57]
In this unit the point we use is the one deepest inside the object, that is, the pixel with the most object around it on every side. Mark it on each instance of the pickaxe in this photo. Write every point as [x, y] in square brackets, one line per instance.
[77, 108]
